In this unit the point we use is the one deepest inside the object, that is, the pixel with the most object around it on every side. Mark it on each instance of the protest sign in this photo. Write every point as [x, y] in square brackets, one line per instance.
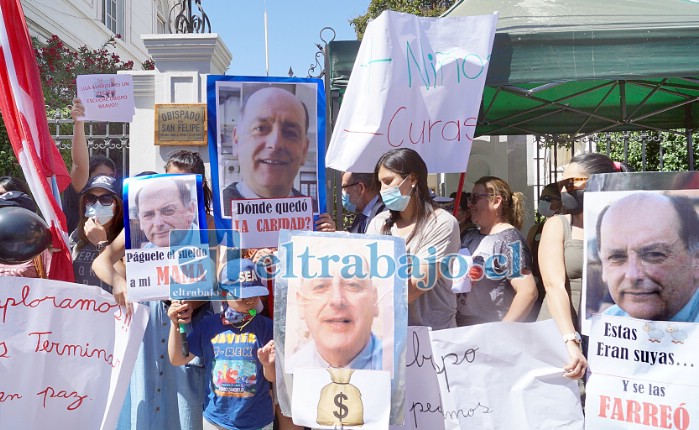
[266, 140]
[259, 220]
[505, 384]
[340, 301]
[423, 405]
[644, 374]
[341, 398]
[165, 232]
[416, 83]
[66, 354]
[641, 266]
[107, 97]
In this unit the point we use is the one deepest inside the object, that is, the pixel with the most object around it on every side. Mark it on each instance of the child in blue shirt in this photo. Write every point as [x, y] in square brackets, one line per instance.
[238, 353]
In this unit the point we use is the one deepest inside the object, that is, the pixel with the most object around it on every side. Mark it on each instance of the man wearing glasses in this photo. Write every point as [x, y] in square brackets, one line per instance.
[165, 204]
[360, 194]
[650, 262]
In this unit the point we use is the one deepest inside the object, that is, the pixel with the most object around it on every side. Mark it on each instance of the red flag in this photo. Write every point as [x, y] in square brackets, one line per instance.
[24, 114]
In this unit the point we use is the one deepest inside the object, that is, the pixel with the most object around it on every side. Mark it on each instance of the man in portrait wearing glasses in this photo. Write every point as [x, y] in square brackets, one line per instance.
[360, 195]
[162, 205]
[338, 311]
[649, 262]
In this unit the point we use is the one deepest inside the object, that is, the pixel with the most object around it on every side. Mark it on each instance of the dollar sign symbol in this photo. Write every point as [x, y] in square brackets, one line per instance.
[343, 410]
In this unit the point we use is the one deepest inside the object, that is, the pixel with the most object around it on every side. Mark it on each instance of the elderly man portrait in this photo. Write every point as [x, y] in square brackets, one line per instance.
[162, 205]
[338, 307]
[649, 261]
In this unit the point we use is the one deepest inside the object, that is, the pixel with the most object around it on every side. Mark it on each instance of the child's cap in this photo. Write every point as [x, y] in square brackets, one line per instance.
[242, 280]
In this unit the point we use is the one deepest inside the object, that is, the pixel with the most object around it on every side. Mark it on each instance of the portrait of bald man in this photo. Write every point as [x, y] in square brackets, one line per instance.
[271, 141]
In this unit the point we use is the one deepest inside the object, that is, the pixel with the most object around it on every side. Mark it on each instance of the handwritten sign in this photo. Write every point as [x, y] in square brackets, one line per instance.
[180, 124]
[423, 406]
[66, 354]
[503, 375]
[259, 220]
[107, 97]
[416, 83]
[645, 374]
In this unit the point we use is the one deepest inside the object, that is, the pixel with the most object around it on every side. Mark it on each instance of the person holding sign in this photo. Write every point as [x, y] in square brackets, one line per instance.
[430, 234]
[156, 386]
[271, 141]
[238, 353]
[561, 256]
[650, 262]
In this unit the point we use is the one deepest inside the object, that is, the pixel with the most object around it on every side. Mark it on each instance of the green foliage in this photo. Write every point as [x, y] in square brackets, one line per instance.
[59, 65]
[415, 7]
[665, 151]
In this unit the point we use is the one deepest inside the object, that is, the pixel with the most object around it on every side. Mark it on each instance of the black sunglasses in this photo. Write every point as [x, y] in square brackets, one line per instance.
[550, 199]
[105, 199]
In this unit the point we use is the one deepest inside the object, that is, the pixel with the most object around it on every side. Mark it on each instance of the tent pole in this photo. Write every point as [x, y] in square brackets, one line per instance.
[688, 134]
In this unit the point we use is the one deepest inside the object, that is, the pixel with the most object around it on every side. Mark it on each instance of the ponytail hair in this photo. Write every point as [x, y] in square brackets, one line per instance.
[512, 205]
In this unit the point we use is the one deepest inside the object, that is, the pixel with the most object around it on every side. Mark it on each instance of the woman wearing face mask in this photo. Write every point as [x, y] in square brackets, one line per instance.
[160, 395]
[561, 255]
[505, 290]
[100, 222]
[549, 205]
[428, 232]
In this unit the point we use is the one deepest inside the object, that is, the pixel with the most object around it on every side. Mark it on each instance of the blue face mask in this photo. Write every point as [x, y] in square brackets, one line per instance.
[103, 214]
[393, 199]
[234, 317]
[347, 204]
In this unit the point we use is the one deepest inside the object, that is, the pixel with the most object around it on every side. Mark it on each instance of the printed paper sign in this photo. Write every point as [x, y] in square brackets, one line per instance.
[341, 398]
[645, 374]
[259, 220]
[107, 97]
[416, 83]
[504, 376]
[66, 354]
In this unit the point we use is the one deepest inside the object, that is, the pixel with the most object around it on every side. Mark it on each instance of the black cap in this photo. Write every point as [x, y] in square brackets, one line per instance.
[17, 199]
[105, 182]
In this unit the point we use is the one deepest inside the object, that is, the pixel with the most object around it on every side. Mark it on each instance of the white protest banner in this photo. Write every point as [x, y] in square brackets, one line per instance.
[645, 374]
[259, 220]
[66, 354]
[107, 97]
[422, 401]
[341, 398]
[505, 376]
[416, 83]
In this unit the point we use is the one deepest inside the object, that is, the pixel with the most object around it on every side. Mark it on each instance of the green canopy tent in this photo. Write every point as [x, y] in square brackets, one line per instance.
[579, 67]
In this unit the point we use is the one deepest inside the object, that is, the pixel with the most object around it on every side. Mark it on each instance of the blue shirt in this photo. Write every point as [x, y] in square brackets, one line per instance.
[237, 391]
[369, 358]
[689, 313]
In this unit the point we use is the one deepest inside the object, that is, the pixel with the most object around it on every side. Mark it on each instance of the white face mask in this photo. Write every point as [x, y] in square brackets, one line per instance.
[103, 214]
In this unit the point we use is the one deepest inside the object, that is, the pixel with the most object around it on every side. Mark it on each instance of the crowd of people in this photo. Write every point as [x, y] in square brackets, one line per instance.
[173, 391]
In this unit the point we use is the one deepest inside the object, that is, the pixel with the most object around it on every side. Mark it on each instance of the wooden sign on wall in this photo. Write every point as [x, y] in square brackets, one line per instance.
[180, 124]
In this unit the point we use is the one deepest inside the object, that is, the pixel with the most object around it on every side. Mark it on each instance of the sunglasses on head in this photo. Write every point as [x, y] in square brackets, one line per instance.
[572, 183]
[105, 199]
[550, 199]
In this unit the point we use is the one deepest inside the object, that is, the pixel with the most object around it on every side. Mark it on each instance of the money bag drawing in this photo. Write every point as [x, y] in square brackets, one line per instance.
[340, 402]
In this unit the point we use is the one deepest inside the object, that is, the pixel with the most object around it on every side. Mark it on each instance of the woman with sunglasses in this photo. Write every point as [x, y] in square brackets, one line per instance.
[429, 232]
[160, 395]
[561, 256]
[505, 289]
[101, 213]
